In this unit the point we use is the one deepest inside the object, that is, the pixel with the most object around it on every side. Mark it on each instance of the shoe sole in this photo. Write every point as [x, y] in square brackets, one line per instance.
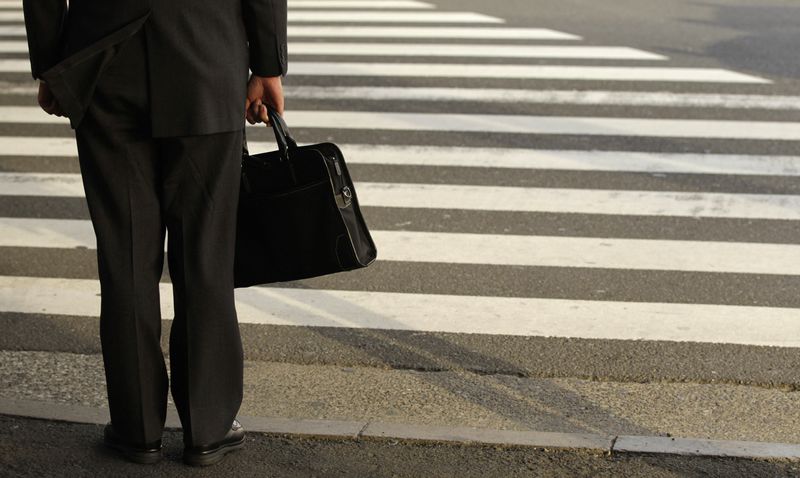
[142, 457]
[209, 458]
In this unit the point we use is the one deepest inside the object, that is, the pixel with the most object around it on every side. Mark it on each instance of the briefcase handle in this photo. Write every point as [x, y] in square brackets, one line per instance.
[282, 136]
[284, 139]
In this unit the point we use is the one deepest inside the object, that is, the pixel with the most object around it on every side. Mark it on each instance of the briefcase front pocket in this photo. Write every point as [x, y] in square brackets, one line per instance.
[310, 213]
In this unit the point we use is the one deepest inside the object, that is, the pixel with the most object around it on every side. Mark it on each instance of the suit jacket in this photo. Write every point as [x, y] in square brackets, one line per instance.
[198, 54]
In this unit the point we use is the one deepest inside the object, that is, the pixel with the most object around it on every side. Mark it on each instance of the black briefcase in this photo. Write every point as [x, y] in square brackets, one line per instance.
[298, 213]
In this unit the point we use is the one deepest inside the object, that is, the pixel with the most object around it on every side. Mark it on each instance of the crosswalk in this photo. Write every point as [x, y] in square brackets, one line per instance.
[386, 32]
[498, 71]
[410, 160]
[502, 198]
[457, 313]
[499, 249]
[438, 50]
[495, 123]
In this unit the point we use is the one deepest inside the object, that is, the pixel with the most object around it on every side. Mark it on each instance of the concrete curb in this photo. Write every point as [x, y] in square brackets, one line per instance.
[359, 430]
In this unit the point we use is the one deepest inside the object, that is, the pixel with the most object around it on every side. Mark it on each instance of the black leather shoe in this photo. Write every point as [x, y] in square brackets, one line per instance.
[204, 455]
[146, 453]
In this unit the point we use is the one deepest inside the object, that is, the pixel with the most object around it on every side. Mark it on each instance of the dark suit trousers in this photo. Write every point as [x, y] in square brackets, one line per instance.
[137, 187]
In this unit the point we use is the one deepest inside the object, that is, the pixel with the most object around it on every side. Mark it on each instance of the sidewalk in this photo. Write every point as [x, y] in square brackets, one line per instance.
[491, 425]
[452, 399]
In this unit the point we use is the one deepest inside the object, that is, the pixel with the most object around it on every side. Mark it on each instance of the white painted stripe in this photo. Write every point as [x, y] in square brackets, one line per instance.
[497, 198]
[586, 201]
[495, 249]
[523, 158]
[496, 33]
[509, 95]
[13, 47]
[349, 31]
[558, 97]
[29, 114]
[352, 31]
[15, 30]
[745, 325]
[546, 125]
[492, 123]
[59, 233]
[40, 146]
[471, 50]
[519, 158]
[441, 50]
[411, 4]
[531, 72]
[541, 72]
[340, 16]
[391, 17]
[10, 65]
[367, 4]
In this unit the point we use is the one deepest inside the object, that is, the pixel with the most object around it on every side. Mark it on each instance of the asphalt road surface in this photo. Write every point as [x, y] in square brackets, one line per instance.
[599, 199]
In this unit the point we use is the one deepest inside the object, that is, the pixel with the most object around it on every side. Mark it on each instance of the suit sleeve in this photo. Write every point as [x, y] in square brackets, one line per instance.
[44, 24]
[266, 24]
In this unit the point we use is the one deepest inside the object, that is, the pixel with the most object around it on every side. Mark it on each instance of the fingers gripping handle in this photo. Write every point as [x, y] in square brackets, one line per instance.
[284, 139]
[282, 135]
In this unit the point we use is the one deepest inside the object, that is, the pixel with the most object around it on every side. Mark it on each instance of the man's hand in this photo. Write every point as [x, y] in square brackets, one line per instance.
[47, 101]
[262, 91]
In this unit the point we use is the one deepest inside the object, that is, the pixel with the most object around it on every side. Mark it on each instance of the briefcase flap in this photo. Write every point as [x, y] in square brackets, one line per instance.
[269, 173]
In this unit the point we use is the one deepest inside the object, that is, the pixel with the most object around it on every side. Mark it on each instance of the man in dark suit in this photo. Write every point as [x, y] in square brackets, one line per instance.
[157, 93]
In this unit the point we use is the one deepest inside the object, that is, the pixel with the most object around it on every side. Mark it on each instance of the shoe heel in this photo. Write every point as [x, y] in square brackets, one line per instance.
[144, 458]
[210, 458]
